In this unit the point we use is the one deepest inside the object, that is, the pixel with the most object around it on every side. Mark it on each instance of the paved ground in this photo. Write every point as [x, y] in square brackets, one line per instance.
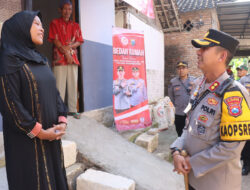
[3, 180]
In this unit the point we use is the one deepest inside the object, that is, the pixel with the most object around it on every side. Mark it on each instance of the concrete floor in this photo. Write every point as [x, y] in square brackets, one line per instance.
[167, 137]
[3, 179]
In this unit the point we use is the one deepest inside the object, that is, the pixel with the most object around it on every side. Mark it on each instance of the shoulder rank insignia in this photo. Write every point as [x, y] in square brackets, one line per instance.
[235, 121]
[214, 86]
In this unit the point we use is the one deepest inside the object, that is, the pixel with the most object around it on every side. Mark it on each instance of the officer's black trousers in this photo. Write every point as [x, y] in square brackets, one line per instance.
[245, 154]
[179, 123]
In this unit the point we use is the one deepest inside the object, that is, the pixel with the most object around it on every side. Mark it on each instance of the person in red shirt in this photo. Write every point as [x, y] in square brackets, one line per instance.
[66, 36]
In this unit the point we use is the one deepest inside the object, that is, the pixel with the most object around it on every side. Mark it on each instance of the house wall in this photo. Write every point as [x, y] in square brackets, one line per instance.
[154, 53]
[178, 45]
[96, 18]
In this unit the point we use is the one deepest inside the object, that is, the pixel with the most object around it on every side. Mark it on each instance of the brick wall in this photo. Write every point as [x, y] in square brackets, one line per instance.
[9, 8]
[178, 45]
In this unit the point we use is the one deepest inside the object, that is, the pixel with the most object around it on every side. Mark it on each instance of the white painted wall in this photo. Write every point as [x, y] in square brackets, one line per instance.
[96, 25]
[154, 48]
[154, 43]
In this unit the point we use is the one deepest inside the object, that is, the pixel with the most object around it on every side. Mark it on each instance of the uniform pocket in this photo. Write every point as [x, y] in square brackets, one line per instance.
[202, 127]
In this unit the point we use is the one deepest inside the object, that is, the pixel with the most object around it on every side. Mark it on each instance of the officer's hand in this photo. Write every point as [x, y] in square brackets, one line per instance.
[180, 165]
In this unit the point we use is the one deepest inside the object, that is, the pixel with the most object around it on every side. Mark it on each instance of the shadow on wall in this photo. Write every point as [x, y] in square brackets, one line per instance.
[173, 54]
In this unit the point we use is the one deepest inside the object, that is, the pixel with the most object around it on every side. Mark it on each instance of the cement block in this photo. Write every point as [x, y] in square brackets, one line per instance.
[149, 142]
[69, 150]
[2, 158]
[98, 180]
[103, 115]
[153, 131]
[72, 172]
[1, 145]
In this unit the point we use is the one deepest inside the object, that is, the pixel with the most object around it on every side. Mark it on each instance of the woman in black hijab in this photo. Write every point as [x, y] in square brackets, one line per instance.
[34, 116]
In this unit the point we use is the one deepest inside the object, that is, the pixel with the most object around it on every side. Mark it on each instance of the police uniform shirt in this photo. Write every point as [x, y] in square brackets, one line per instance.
[215, 163]
[245, 81]
[121, 101]
[138, 94]
[177, 92]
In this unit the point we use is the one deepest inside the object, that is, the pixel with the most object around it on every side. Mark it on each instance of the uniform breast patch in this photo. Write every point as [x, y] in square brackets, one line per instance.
[201, 129]
[208, 110]
[212, 101]
[234, 105]
[203, 118]
[177, 88]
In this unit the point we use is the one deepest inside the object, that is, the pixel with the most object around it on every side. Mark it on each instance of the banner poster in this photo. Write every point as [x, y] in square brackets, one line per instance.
[144, 6]
[130, 102]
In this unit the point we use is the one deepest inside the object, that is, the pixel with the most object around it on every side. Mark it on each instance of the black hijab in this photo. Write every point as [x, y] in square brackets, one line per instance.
[16, 44]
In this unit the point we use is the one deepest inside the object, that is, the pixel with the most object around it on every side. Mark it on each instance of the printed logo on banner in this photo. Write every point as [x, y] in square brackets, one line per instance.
[124, 41]
[133, 42]
[234, 105]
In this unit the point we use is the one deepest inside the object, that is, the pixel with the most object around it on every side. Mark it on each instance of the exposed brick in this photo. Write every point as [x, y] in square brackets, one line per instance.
[9, 8]
[178, 45]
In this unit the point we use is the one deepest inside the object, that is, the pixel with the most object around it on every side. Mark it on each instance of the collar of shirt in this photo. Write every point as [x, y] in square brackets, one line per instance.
[215, 84]
[64, 22]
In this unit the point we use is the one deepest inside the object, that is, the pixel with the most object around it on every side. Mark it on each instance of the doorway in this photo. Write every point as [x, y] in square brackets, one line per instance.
[49, 11]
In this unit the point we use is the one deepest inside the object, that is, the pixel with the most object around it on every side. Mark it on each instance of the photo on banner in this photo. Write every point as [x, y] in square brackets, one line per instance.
[130, 101]
[144, 6]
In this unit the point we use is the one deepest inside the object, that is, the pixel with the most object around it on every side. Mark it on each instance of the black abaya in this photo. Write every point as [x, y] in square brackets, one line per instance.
[28, 95]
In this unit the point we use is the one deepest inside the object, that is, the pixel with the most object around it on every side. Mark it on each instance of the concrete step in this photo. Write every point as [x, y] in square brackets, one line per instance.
[2, 157]
[149, 142]
[3, 179]
[72, 173]
[70, 152]
[114, 154]
[98, 180]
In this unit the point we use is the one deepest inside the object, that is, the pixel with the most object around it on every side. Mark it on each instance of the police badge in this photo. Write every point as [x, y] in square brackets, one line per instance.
[234, 105]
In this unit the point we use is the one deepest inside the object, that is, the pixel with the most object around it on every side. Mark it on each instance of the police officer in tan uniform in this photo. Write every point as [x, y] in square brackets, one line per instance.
[218, 120]
[179, 91]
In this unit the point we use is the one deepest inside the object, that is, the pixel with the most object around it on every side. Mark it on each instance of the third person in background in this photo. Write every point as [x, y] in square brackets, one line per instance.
[179, 92]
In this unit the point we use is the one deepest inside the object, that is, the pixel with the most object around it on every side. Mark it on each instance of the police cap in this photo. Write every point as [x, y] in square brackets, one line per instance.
[217, 38]
[242, 67]
[182, 63]
[120, 68]
[135, 69]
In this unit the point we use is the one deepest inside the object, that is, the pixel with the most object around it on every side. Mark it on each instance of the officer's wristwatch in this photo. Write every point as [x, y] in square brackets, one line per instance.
[174, 150]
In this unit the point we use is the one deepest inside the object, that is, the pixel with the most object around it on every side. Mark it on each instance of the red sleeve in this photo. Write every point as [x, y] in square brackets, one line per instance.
[78, 33]
[52, 31]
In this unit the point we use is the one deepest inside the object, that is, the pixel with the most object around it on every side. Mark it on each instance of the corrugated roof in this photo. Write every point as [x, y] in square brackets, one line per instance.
[234, 18]
[192, 5]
